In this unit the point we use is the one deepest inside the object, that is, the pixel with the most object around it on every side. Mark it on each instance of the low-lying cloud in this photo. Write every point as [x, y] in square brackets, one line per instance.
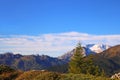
[54, 44]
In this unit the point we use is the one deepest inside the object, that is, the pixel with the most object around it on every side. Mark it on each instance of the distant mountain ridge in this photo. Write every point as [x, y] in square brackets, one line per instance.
[28, 62]
[87, 49]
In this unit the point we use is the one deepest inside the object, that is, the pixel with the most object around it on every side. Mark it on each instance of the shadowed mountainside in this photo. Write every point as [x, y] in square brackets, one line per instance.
[108, 60]
[28, 62]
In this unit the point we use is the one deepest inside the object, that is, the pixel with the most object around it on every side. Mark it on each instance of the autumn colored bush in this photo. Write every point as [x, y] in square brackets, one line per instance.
[48, 76]
[28, 75]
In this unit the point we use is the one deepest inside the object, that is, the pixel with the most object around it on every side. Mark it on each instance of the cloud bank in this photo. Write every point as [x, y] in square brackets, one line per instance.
[54, 44]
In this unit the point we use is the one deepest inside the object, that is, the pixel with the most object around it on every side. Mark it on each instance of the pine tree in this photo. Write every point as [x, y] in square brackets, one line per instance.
[76, 61]
[79, 64]
[91, 68]
[103, 73]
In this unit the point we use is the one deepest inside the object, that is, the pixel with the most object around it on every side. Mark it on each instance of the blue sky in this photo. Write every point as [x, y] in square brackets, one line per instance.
[33, 17]
[53, 27]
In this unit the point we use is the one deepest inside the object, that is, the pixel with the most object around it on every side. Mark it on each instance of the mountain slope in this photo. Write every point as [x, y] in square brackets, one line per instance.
[108, 60]
[28, 62]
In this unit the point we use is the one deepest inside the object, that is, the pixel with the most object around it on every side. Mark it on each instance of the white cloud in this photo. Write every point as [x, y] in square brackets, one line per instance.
[52, 44]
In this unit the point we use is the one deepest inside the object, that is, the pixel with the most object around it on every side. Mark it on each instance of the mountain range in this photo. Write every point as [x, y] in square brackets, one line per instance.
[104, 56]
[28, 62]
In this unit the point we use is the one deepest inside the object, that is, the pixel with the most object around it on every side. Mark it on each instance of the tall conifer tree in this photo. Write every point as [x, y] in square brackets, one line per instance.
[79, 64]
[76, 61]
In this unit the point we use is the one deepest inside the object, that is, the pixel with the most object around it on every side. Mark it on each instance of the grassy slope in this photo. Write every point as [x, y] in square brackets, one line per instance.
[39, 75]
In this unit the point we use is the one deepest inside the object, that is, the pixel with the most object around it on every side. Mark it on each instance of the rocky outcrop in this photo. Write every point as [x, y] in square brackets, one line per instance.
[116, 76]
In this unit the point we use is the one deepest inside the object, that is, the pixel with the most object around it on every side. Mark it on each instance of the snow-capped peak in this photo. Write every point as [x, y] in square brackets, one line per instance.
[97, 48]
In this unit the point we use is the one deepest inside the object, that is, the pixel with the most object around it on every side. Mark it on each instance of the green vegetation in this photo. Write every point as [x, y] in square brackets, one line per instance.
[48, 76]
[44, 75]
[4, 68]
[82, 77]
[79, 64]
[59, 68]
[28, 75]
[7, 73]
[76, 63]
[39, 75]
